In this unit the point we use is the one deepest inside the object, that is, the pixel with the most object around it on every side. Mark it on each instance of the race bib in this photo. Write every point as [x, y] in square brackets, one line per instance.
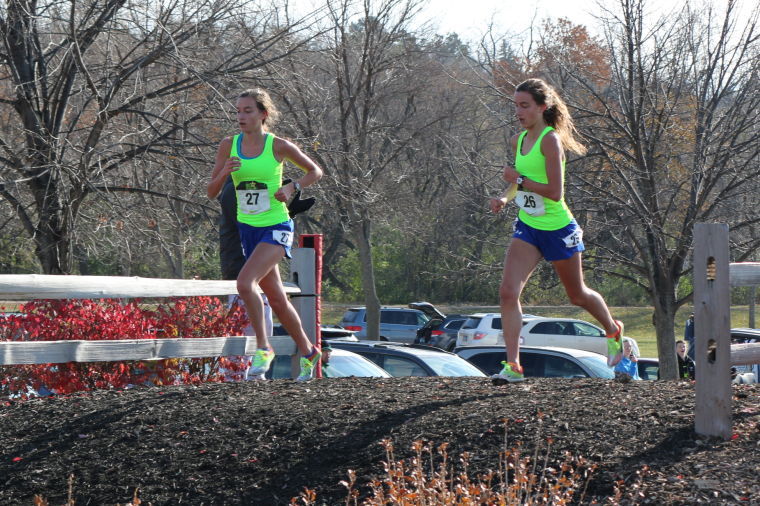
[574, 239]
[531, 203]
[283, 237]
[253, 198]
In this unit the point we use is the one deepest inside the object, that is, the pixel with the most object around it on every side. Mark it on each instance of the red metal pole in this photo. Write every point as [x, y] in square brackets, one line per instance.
[315, 241]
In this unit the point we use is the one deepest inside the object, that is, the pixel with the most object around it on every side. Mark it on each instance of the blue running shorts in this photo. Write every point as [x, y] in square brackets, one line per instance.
[554, 245]
[280, 234]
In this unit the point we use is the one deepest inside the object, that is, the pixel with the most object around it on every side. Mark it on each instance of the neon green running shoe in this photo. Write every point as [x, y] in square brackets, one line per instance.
[262, 360]
[307, 367]
[615, 343]
[511, 373]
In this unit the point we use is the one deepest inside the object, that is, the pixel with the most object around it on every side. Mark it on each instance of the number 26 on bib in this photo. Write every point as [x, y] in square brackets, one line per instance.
[531, 203]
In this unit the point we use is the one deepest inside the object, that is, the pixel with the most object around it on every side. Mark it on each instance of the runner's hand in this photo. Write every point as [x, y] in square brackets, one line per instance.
[231, 165]
[284, 193]
[497, 204]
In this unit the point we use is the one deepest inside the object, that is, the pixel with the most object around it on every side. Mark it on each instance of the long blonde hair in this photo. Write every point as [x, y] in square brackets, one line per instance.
[556, 114]
[265, 103]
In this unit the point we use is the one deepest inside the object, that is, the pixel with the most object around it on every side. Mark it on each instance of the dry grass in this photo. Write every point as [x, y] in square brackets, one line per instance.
[519, 479]
[41, 501]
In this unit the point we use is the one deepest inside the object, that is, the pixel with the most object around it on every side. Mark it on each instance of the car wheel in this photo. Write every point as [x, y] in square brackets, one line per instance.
[451, 347]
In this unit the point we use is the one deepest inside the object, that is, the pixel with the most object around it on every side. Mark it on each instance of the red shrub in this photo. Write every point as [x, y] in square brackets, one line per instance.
[58, 320]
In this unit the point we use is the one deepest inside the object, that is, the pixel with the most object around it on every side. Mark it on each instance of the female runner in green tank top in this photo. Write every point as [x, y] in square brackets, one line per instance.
[255, 159]
[545, 227]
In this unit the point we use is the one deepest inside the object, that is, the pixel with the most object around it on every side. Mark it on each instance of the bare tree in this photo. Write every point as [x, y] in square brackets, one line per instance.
[90, 89]
[674, 131]
[354, 100]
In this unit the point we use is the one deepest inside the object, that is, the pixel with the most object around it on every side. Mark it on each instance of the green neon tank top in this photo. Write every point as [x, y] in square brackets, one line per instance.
[533, 166]
[256, 182]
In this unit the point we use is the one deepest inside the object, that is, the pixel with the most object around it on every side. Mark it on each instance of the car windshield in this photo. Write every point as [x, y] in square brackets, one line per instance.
[598, 364]
[342, 366]
[471, 323]
[451, 365]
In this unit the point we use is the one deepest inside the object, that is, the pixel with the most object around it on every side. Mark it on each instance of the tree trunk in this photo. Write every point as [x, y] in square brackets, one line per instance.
[664, 318]
[52, 239]
[362, 234]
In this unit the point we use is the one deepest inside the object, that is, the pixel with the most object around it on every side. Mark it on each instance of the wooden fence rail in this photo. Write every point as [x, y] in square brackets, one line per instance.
[39, 286]
[59, 352]
[45, 286]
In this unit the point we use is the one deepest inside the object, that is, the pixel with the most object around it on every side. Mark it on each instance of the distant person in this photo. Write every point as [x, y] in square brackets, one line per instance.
[545, 226]
[326, 354]
[688, 336]
[685, 363]
[254, 158]
[627, 364]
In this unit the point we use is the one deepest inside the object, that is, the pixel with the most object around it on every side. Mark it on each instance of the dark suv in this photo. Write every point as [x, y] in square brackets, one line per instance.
[441, 333]
[396, 323]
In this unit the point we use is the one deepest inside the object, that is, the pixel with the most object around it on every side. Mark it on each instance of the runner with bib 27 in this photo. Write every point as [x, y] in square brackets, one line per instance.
[255, 158]
[545, 227]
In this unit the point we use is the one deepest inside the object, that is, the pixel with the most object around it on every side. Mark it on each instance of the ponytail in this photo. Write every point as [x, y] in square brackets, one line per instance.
[556, 113]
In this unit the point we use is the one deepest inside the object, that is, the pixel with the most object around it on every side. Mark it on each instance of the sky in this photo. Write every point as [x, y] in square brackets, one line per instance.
[470, 18]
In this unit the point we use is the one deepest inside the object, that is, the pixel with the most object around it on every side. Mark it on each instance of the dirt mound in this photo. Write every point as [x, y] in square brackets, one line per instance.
[263, 442]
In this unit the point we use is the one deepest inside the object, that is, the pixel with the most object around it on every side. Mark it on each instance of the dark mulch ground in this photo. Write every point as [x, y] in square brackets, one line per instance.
[261, 443]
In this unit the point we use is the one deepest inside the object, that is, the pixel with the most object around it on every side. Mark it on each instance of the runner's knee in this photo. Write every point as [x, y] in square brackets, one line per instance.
[508, 295]
[246, 287]
[579, 297]
[278, 302]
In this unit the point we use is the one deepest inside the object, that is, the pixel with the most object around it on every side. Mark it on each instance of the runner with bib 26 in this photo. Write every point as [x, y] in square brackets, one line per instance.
[545, 227]
[255, 158]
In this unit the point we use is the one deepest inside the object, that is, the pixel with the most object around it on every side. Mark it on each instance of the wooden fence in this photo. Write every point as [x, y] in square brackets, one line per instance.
[713, 278]
[34, 286]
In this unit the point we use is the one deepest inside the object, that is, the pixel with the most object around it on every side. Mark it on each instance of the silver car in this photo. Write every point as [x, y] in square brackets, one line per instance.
[541, 362]
[484, 329]
[342, 364]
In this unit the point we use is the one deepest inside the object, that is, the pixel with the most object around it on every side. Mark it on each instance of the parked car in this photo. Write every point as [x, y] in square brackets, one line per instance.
[649, 368]
[746, 373]
[326, 331]
[568, 333]
[441, 333]
[480, 329]
[541, 361]
[397, 324]
[343, 363]
[485, 329]
[401, 359]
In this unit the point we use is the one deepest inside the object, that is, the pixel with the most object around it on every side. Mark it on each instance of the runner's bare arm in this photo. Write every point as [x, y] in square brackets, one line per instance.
[286, 150]
[223, 166]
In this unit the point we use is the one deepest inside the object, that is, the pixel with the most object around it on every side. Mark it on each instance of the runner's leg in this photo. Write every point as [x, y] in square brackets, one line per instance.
[272, 286]
[262, 261]
[520, 261]
[570, 272]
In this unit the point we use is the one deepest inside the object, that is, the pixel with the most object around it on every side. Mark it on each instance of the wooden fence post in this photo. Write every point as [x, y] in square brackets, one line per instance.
[305, 271]
[712, 325]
